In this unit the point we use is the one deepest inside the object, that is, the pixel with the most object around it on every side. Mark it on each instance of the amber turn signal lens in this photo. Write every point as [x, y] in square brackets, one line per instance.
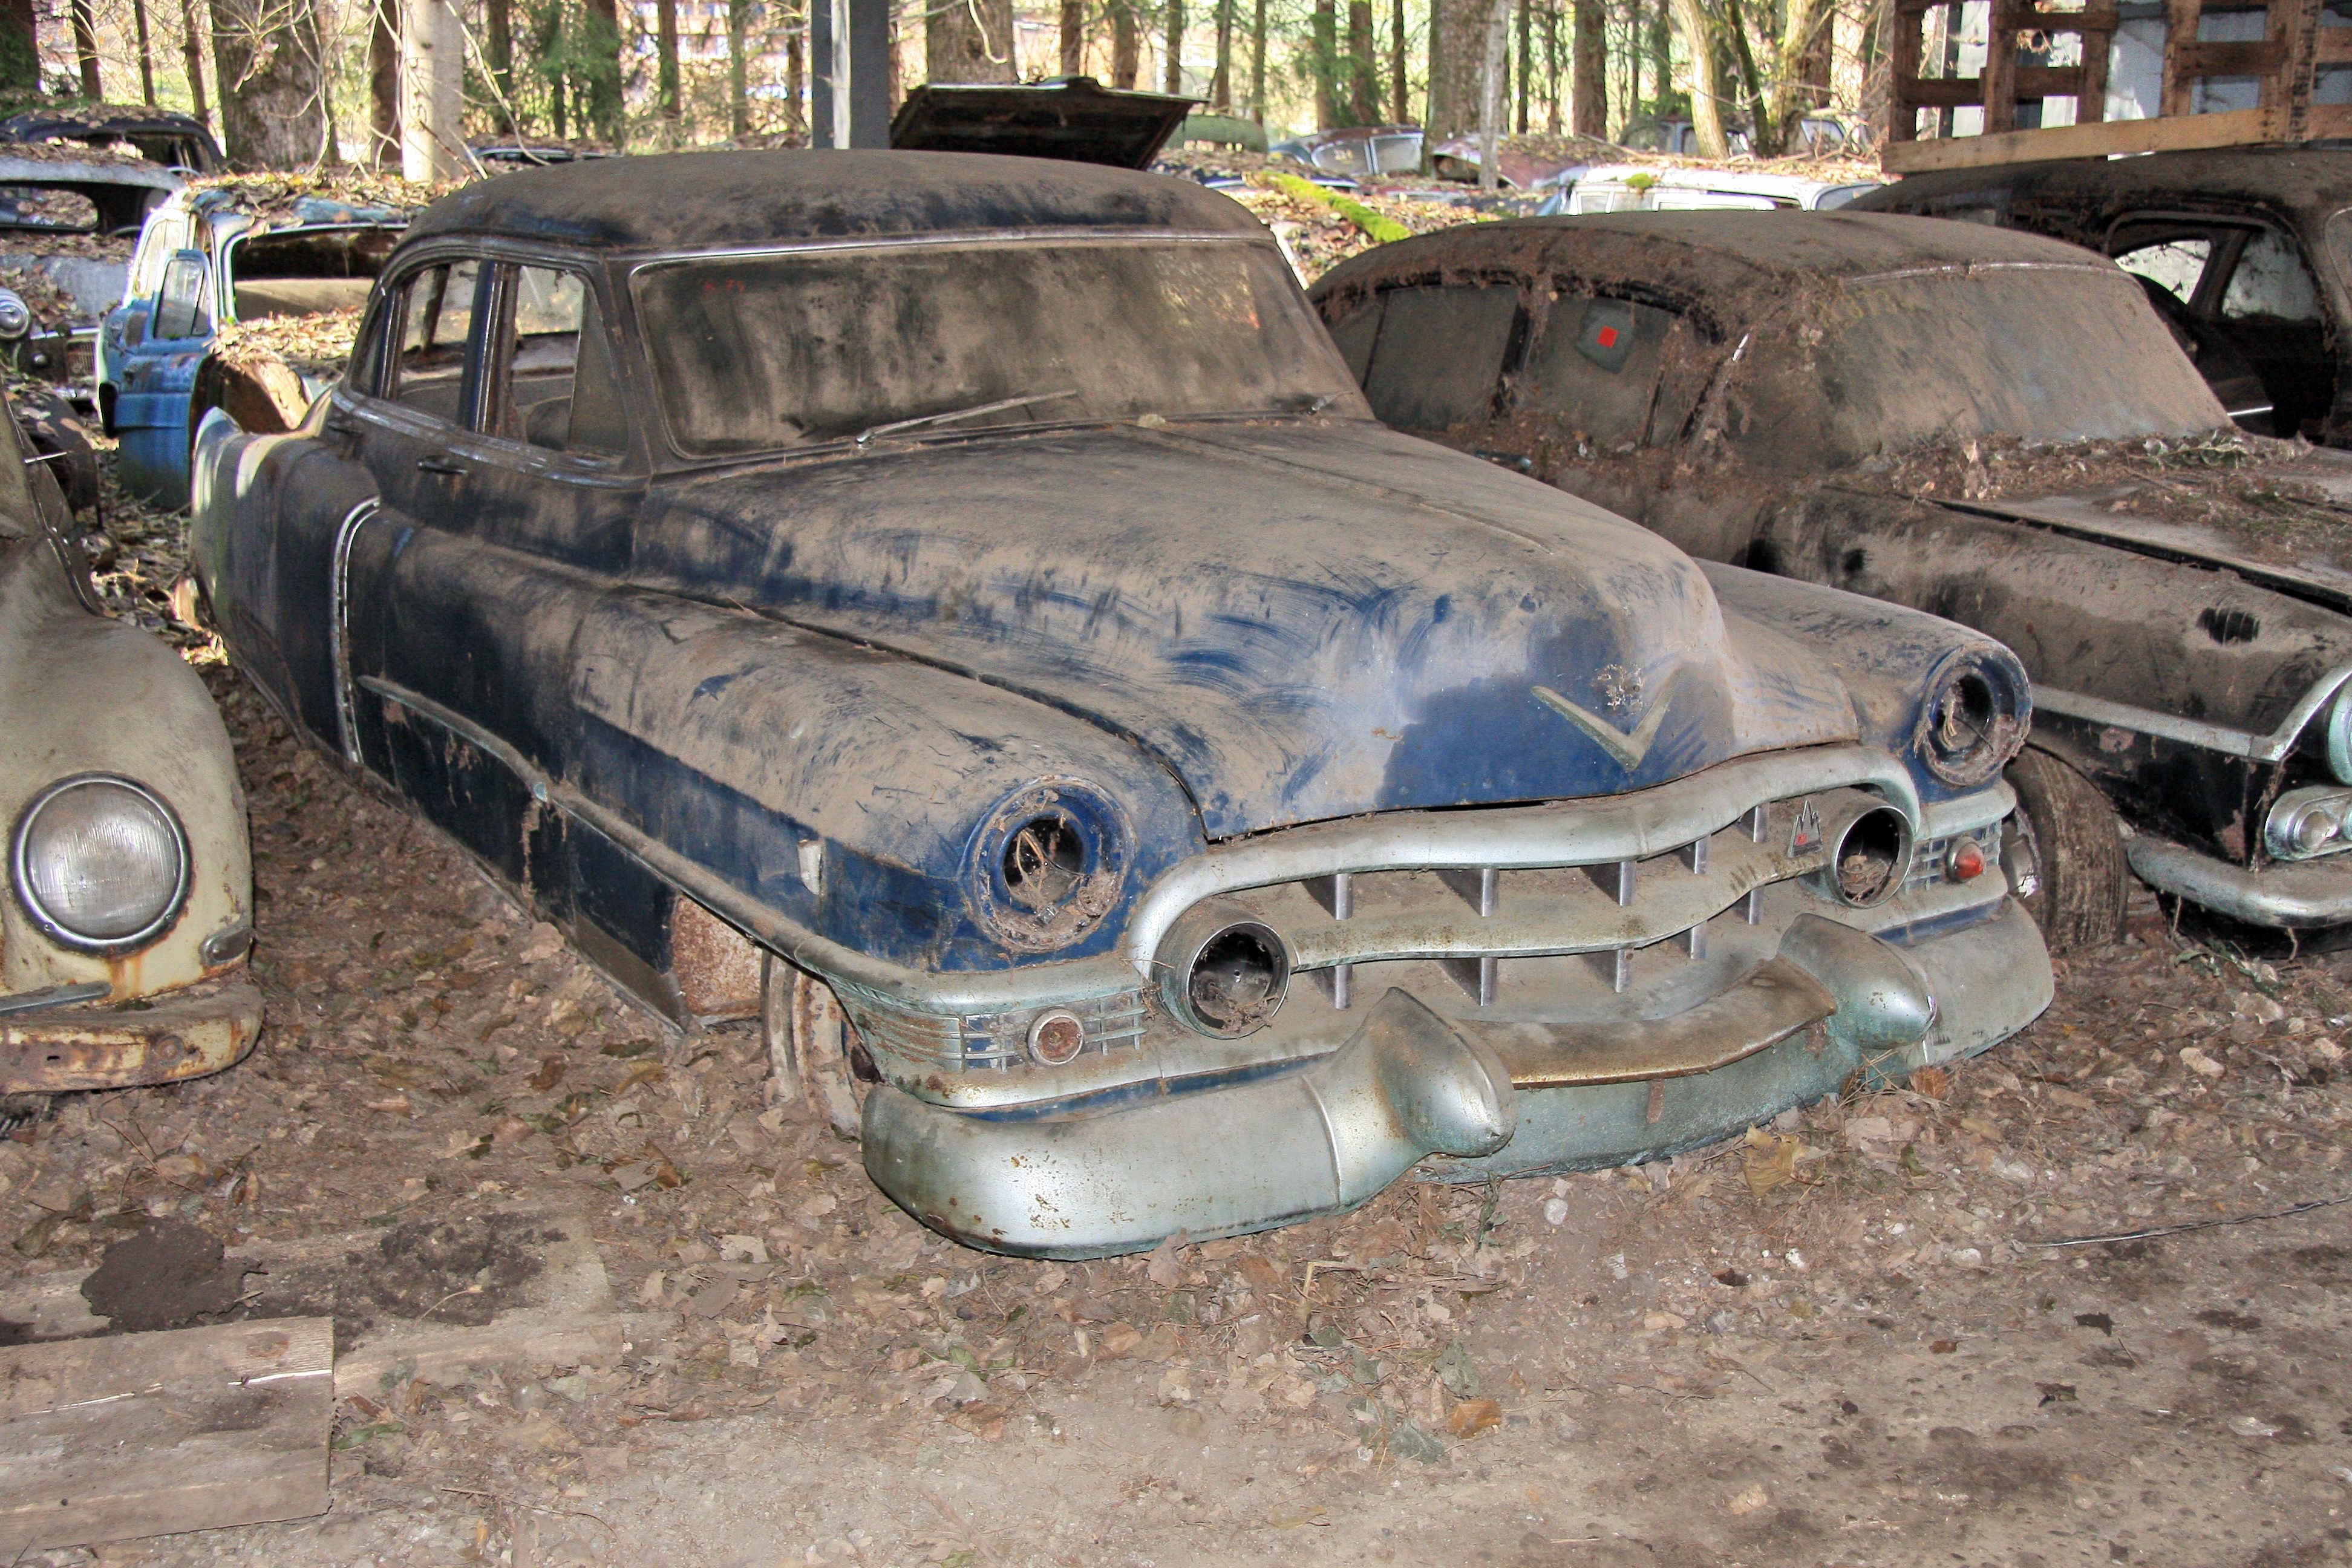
[1967, 861]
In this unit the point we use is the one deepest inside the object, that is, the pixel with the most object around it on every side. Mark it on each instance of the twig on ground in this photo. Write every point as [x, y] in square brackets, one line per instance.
[2156, 1230]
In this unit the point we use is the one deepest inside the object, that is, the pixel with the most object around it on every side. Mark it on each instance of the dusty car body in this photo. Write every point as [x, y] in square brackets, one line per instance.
[2246, 251]
[68, 218]
[213, 256]
[1760, 368]
[129, 906]
[161, 136]
[1166, 798]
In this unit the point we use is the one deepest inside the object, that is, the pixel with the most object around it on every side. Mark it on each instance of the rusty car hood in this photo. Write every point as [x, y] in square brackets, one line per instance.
[2314, 564]
[1298, 621]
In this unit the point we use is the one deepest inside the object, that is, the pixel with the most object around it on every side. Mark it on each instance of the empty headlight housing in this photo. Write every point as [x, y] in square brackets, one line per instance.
[1222, 971]
[1047, 865]
[1975, 717]
[100, 864]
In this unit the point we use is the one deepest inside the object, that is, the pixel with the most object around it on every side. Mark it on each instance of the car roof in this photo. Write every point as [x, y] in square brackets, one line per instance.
[36, 123]
[2304, 178]
[1717, 256]
[712, 200]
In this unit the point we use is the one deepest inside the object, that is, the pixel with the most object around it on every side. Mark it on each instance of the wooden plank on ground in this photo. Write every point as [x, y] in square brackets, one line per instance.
[139, 1434]
[2237, 128]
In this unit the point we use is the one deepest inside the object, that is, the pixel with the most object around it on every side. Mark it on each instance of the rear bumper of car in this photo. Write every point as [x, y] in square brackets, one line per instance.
[2313, 893]
[1330, 1133]
[178, 1035]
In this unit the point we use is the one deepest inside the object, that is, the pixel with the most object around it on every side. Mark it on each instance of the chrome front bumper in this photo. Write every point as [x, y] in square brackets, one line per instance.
[1327, 1134]
[2313, 894]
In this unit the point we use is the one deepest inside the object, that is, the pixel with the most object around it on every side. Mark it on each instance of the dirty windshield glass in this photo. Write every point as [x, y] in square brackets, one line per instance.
[756, 352]
[2043, 352]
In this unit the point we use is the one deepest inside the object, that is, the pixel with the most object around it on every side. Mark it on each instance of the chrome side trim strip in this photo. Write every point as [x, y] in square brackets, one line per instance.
[2270, 747]
[339, 586]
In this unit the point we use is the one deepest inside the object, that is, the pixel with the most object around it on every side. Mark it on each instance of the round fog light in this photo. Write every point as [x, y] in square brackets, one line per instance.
[1057, 1038]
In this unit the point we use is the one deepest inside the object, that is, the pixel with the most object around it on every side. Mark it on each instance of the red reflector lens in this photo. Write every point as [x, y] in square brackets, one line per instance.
[1967, 860]
[1608, 336]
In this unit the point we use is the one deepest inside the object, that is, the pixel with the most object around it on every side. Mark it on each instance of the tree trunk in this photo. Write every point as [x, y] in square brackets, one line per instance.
[85, 38]
[549, 42]
[266, 59]
[738, 86]
[1551, 63]
[1074, 37]
[1526, 61]
[1400, 112]
[384, 85]
[1257, 62]
[432, 83]
[1456, 65]
[1126, 43]
[1804, 38]
[969, 40]
[666, 62]
[1175, 81]
[1221, 88]
[1497, 60]
[498, 50]
[20, 46]
[1661, 55]
[795, 69]
[1706, 111]
[1324, 61]
[600, 45]
[1363, 66]
[146, 56]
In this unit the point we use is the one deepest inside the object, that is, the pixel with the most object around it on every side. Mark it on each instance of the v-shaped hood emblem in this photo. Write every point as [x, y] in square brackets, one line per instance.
[1627, 749]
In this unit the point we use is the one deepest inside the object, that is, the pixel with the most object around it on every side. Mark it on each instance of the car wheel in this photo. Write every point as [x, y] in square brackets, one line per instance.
[2076, 846]
[815, 1059]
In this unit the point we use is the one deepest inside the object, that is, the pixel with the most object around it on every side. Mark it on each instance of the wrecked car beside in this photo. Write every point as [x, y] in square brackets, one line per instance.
[1745, 383]
[2245, 251]
[129, 911]
[219, 260]
[960, 608]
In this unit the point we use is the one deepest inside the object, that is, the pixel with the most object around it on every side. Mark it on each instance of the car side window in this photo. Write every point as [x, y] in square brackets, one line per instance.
[1438, 354]
[2175, 265]
[556, 388]
[428, 370]
[180, 310]
[2270, 282]
[1614, 371]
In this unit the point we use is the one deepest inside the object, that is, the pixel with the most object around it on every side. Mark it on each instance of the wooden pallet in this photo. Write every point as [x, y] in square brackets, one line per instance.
[2285, 62]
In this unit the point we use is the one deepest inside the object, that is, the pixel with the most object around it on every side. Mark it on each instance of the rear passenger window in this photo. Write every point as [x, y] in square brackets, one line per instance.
[2270, 282]
[558, 390]
[1613, 371]
[437, 316]
[2174, 266]
[1437, 356]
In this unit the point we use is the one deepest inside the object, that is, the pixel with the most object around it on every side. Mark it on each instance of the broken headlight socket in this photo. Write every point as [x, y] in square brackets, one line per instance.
[1047, 864]
[1972, 724]
[1222, 971]
[1056, 1035]
[1870, 846]
[2307, 821]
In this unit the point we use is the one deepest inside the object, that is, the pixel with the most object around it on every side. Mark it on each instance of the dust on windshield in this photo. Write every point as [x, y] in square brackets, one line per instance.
[754, 354]
[2044, 353]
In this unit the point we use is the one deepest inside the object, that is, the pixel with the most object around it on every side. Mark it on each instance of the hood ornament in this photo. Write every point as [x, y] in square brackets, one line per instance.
[1620, 689]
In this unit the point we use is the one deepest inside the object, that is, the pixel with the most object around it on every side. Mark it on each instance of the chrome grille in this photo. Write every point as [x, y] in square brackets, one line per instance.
[992, 1041]
[1930, 860]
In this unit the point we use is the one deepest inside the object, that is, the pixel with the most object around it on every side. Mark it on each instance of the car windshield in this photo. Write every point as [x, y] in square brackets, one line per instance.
[2042, 351]
[755, 353]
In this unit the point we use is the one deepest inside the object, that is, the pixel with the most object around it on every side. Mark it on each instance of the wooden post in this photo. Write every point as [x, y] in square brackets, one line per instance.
[1904, 58]
[1998, 86]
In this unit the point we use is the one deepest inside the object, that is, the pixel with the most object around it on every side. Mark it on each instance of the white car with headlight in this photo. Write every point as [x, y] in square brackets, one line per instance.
[128, 910]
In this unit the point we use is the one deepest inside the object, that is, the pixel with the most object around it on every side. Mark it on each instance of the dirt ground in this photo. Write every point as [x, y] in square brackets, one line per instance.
[1843, 1339]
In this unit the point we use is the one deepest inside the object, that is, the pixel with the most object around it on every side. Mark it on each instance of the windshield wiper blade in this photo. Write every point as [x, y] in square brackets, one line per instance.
[999, 407]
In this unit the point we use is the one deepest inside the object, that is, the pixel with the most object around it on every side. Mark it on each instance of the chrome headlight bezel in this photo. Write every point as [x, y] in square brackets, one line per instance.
[20, 869]
[2338, 731]
[1074, 839]
[16, 316]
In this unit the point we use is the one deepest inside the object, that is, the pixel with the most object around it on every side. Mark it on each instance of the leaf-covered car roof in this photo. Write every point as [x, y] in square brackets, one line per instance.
[692, 201]
[342, 196]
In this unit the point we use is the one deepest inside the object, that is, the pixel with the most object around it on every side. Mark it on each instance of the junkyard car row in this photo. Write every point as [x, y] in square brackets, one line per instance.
[966, 612]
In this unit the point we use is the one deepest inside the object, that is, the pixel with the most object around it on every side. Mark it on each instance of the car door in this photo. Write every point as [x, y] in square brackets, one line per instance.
[156, 373]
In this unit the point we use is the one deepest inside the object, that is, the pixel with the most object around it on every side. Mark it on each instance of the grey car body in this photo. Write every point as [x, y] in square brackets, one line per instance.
[1760, 367]
[970, 589]
[2247, 251]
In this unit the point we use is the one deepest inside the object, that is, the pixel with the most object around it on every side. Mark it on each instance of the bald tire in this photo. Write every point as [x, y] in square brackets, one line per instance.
[2078, 845]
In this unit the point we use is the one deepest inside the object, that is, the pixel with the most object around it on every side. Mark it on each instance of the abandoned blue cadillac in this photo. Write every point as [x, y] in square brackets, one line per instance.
[960, 608]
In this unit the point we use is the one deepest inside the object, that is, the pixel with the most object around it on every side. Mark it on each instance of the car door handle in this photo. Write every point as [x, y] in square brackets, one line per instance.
[441, 466]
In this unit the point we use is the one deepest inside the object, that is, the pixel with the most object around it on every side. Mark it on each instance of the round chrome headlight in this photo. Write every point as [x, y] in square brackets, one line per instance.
[16, 316]
[2339, 734]
[100, 864]
[1974, 719]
